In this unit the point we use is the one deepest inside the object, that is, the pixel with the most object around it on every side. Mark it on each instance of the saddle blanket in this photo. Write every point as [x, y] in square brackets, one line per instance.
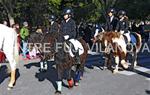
[131, 37]
[77, 45]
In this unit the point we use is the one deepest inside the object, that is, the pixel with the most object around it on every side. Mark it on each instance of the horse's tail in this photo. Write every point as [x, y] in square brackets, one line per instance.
[139, 42]
[15, 48]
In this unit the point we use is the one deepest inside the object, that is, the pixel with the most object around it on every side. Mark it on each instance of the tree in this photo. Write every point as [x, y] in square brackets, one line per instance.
[136, 9]
[9, 6]
[38, 11]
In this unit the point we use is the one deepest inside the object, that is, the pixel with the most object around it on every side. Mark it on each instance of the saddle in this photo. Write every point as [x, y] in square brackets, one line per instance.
[133, 38]
[74, 47]
[130, 38]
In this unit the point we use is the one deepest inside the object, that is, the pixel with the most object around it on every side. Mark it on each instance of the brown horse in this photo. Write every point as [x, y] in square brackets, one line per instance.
[45, 45]
[116, 44]
[65, 62]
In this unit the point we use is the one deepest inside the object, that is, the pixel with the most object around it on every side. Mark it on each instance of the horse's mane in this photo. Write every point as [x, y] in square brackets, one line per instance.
[42, 37]
[108, 35]
[112, 34]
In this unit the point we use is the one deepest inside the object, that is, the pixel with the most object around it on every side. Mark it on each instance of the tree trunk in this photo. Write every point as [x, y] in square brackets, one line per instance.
[9, 12]
[11, 20]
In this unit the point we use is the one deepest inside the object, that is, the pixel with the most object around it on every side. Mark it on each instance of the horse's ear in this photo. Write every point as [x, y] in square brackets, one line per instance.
[118, 34]
[100, 35]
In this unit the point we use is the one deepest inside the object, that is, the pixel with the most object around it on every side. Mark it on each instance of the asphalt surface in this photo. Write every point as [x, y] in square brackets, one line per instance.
[95, 82]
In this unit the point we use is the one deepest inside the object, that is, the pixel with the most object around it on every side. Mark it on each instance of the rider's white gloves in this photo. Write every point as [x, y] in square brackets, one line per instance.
[122, 32]
[66, 37]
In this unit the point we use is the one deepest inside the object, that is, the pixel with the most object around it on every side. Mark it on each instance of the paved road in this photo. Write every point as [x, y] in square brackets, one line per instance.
[95, 82]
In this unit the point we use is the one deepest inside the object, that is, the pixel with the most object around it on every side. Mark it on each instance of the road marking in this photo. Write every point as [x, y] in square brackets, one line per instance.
[148, 79]
[129, 73]
[142, 69]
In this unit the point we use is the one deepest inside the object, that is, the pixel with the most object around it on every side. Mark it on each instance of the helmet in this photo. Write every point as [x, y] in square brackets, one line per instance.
[25, 23]
[112, 10]
[121, 13]
[52, 18]
[68, 11]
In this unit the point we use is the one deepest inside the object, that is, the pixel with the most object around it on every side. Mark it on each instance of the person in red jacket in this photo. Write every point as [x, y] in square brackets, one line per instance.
[16, 27]
[2, 57]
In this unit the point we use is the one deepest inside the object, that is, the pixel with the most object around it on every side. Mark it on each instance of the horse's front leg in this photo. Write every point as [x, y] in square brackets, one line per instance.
[108, 62]
[43, 65]
[70, 79]
[60, 71]
[123, 61]
[82, 70]
[78, 75]
[117, 65]
[134, 60]
[105, 63]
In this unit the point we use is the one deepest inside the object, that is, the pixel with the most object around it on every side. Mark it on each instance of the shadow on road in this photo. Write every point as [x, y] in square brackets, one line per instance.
[147, 92]
[143, 73]
[5, 74]
[50, 74]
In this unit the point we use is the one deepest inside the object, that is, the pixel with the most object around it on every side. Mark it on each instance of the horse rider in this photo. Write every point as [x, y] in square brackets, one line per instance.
[68, 28]
[123, 28]
[68, 25]
[123, 23]
[53, 24]
[111, 21]
[68, 31]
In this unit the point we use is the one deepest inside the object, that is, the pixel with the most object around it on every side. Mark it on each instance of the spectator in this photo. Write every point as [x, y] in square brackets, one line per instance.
[24, 33]
[17, 29]
[5, 23]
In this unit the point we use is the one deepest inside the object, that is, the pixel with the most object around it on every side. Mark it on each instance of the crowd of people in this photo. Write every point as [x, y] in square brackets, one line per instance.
[115, 21]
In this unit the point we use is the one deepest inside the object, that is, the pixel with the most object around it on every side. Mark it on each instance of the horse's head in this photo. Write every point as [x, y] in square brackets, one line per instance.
[105, 39]
[98, 38]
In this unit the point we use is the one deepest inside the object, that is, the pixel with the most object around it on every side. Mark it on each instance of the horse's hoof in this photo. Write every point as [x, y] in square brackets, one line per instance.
[70, 83]
[58, 93]
[70, 87]
[135, 64]
[104, 68]
[10, 87]
[115, 71]
[125, 66]
[76, 84]
[43, 70]
[131, 69]
[81, 77]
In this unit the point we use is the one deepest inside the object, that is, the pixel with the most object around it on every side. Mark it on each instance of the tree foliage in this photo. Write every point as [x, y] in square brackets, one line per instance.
[37, 11]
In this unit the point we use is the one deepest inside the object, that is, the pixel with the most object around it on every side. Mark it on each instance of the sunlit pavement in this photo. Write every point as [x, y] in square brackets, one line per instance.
[95, 82]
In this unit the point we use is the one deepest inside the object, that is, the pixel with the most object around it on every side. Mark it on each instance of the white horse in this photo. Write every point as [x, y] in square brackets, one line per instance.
[8, 44]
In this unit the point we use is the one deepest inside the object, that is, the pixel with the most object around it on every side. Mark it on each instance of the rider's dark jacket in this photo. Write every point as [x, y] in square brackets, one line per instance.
[54, 27]
[123, 25]
[111, 23]
[68, 28]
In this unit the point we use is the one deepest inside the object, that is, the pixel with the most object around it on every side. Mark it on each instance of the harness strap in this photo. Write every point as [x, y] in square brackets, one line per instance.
[126, 39]
[133, 38]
